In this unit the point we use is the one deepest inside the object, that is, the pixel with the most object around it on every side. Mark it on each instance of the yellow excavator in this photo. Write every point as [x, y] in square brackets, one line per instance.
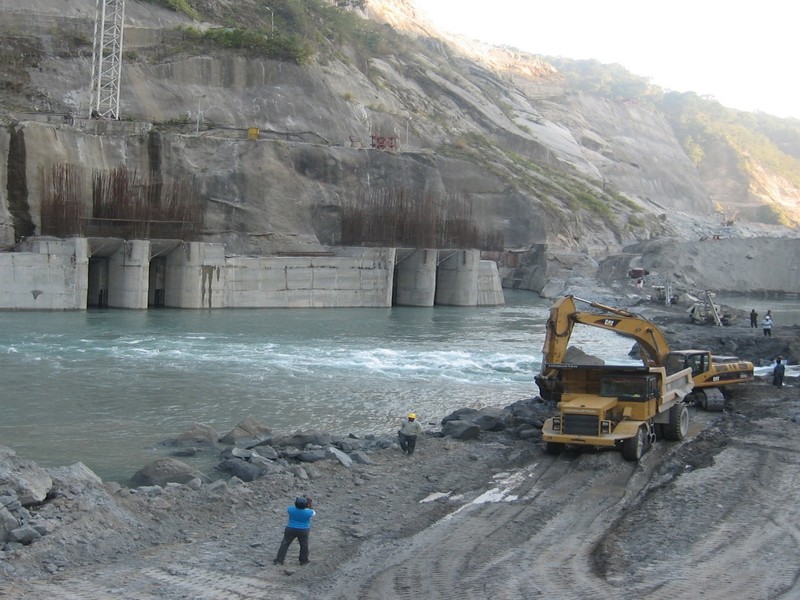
[624, 407]
[711, 374]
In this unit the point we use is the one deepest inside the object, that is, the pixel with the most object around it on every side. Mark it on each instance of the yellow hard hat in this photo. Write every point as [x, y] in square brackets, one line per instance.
[412, 415]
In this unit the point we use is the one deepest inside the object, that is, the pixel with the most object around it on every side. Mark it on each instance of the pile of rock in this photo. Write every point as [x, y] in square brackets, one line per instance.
[523, 419]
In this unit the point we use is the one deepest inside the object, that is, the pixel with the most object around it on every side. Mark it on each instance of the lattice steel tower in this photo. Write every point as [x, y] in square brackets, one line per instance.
[107, 59]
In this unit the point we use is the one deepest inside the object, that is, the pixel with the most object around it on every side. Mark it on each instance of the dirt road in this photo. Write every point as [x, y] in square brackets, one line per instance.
[714, 516]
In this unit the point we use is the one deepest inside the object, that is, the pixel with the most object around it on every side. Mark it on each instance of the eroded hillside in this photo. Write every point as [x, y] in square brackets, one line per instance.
[540, 161]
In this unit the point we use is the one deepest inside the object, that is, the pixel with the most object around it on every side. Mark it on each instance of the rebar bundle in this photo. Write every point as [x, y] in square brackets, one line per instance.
[123, 205]
[396, 217]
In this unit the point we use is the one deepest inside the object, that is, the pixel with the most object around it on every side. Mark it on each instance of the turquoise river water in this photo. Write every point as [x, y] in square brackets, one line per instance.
[106, 387]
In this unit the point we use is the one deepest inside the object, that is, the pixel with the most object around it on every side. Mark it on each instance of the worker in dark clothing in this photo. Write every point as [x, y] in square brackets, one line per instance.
[753, 318]
[778, 372]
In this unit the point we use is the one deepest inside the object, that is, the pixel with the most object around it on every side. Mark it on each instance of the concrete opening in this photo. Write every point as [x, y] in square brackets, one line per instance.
[97, 292]
[157, 292]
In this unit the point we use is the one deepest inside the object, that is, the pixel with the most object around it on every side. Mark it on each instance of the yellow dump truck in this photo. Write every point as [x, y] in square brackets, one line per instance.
[627, 407]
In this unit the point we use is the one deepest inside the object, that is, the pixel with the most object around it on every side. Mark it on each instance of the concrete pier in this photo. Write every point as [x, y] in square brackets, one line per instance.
[128, 274]
[457, 277]
[195, 276]
[415, 277]
[490, 290]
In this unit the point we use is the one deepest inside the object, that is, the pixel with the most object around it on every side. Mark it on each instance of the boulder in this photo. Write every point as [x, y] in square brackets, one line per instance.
[302, 438]
[360, 457]
[198, 434]
[338, 455]
[24, 535]
[26, 479]
[313, 455]
[75, 478]
[461, 430]
[267, 452]
[460, 414]
[248, 433]
[166, 470]
[8, 523]
[490, 419]
[244, 470]
[576, 356]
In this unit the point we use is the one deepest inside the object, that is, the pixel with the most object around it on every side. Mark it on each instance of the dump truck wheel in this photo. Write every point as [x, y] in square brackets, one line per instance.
[554, 448]
[678, 425]
[633, 448]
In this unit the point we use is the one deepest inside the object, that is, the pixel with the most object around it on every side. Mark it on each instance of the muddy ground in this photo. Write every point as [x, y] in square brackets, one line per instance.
[714, 516]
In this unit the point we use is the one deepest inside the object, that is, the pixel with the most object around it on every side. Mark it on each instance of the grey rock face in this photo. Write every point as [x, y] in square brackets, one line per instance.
[24, 478]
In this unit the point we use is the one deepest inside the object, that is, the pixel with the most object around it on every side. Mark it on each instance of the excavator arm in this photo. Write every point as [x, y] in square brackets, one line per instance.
[564, 314]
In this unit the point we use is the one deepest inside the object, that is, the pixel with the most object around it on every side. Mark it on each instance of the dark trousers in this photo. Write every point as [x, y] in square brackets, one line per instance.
[289, 535]
[768, 333]
[407, 443]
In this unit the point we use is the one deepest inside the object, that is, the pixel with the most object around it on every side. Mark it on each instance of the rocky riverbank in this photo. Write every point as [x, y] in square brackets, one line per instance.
[177, 532]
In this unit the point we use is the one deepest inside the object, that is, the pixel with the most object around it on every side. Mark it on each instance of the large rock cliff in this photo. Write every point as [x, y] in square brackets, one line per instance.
[540, 163]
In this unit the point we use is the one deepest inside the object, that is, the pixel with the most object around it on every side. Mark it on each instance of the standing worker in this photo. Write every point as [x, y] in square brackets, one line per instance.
[299, 527]
[767, 325]
[753, 318]
[408, 433]
[777, 372]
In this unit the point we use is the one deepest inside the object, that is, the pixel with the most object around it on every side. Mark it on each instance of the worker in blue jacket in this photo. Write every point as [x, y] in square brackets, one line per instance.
[298, 527]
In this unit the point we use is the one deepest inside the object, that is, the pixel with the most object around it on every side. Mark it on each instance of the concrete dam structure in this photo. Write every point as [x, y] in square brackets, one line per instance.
[79, 273]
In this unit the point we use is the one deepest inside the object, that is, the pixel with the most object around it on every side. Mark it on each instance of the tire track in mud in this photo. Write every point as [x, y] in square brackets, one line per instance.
[747, 541]
[486, 549]
[158, 579]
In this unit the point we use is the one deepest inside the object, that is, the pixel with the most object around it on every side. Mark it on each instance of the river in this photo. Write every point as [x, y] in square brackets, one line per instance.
[106, 387]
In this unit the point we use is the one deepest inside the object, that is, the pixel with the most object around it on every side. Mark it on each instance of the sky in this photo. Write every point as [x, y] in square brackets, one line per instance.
[745, 55]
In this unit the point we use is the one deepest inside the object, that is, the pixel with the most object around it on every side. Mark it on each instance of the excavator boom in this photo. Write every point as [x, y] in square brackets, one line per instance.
[564, 315]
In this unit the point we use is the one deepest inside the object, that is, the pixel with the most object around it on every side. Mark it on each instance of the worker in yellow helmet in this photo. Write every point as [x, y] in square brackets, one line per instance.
[408, 433]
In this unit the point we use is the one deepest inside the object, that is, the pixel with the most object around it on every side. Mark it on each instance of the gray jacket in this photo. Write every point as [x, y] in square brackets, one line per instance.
[411, 428]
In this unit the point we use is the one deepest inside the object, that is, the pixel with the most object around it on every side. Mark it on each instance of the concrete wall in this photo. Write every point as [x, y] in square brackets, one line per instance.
[358, 277]
[45, 275]
[51, 274]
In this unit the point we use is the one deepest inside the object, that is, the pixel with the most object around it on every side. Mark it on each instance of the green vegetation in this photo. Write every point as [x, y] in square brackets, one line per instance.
[757, 140]
[180, 6]
[290, 30]
[774, 214]
[280, 47]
